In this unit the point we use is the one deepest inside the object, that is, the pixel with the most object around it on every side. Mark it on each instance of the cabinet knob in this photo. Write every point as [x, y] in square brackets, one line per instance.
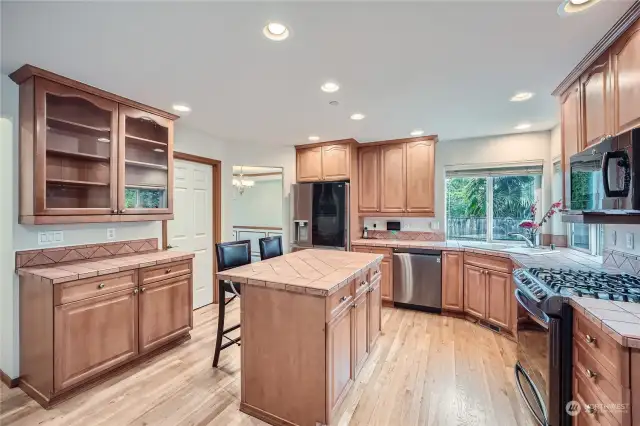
[590, 339]
[122, 211]
[167, 271]
[362, 283]
[135, 291]
[591, 374]
[142, 289]
[114, 211]
[101, 285]
[343, 298]
[590, 409]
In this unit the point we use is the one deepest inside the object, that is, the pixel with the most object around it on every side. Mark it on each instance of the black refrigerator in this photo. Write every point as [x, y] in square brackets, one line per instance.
[321, 215]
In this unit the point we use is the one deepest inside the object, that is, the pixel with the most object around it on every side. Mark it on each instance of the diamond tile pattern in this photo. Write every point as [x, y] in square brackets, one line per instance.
[624, 261]
[90, 251]
[318, 272]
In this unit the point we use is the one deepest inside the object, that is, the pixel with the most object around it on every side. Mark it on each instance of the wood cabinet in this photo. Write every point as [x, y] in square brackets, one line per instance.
[475, 291]
[339, 356]
[375, 312]
[625, 65]
[596, 106]
[74, 332]
[386, 272]
[86, 153]
[369, 179]
[570, 133]
[498, 298]
[393, 183]
[452, 281]
[330, 161]
[360, 331]
[397, 178]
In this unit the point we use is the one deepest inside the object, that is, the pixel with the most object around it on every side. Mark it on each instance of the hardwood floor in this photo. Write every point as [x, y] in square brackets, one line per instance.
[425, 370]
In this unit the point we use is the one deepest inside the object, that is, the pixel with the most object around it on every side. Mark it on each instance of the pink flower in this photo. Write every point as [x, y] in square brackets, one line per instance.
[528, 224]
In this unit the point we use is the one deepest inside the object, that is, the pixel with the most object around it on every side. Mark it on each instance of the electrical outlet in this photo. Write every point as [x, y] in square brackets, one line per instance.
[58, 236]
[42, 238]
[50, 237]
[435, 225]
[111, 233]
[630, 240]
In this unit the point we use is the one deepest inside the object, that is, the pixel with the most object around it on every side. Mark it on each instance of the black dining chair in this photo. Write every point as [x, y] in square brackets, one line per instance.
[270, 247]
[229, 255]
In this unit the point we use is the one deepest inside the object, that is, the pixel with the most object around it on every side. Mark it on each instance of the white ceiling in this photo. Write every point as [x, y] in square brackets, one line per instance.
[447, 67]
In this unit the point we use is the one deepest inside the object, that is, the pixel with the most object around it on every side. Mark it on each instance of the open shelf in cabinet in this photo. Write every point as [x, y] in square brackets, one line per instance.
[79, 155]
[145, 165]
[62, 124]
[144, 141]
[75, 182]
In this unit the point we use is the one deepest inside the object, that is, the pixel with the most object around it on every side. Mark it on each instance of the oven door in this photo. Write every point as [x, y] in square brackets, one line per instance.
[533, 365]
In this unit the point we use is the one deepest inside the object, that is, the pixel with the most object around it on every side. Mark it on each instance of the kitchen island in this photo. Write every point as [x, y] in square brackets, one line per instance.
[309, 320]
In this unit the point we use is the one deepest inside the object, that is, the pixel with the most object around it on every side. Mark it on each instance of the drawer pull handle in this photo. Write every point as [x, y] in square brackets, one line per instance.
[591, 374]
[343, 298]
[135, 291]
[590, 339]
[590, 409]
[167, 271]
[363, 283]
[101, 285]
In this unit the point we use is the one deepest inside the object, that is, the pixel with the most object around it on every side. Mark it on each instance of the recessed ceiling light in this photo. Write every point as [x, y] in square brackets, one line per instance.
[357, 116]
[417, 132]
[105, 140]
[158, 150]
[275, 31]
[314, 138]
[568, 7]
[521, 96]
[330, 87]
[181, 108]
[523, 126]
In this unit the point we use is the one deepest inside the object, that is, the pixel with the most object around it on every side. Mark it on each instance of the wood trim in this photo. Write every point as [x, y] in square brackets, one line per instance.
[27, 71]
[216, 185]
[259, 174]
[268, 228]
[618, 29]
[11, 383]
[320, 144]
[433, 138]
[98, 218]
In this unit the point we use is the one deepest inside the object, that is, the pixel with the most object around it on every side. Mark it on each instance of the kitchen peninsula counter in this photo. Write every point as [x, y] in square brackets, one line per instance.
[309, 319]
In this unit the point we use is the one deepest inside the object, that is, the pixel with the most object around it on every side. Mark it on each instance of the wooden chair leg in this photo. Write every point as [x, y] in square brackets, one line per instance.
[221, 310]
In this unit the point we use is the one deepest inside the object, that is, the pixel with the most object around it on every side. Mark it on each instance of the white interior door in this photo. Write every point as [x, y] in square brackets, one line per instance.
[191, 230]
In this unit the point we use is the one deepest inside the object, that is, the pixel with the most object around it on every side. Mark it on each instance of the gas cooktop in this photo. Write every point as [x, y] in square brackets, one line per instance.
[542, 283]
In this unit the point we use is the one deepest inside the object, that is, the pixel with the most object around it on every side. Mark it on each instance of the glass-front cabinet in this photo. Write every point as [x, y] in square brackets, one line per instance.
[146, 145]
[87, 155]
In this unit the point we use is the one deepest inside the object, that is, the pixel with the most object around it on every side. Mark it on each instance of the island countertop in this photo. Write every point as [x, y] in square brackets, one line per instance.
[312, 271]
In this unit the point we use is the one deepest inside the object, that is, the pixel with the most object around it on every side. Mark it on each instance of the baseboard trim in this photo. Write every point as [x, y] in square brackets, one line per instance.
[11, 383]
[264, 416]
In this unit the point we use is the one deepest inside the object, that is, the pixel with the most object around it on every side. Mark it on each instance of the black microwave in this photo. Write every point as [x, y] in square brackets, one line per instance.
[603, 181]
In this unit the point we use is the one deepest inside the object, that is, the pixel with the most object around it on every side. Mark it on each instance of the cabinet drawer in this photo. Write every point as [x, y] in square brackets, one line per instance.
[604, 384]
[586, 395]
[338, 300]
[494, 263]
[603, 349]
[361, 249]
[163, 272]
[90, 287]
[387, 252]
[374, 273]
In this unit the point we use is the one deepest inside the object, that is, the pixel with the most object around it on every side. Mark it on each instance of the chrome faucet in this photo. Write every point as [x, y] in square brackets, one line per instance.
[528, 241]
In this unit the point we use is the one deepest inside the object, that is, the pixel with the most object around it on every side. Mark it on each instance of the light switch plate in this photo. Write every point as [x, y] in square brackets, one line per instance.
[111, 233]
[630, 240]
[58, 236]
[42, 238]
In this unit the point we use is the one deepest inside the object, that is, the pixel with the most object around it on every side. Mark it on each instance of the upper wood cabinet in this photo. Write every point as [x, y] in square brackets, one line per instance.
[87, 155]
[625, 64]
[330, 161]
[596, 106]
[368, 179]
[396, 178]
[570, 132]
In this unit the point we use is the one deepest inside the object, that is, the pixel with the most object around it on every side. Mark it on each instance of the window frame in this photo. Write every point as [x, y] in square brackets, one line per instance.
[595, 242]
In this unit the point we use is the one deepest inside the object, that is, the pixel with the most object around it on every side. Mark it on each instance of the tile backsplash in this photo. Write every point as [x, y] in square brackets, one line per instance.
[415, 224]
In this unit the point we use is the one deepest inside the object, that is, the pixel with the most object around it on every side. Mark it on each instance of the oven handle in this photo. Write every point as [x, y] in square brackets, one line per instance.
[624, 162]
[519, 371]
[542, 321]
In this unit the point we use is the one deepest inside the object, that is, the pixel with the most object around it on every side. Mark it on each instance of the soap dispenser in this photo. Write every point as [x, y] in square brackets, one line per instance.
[365, 233]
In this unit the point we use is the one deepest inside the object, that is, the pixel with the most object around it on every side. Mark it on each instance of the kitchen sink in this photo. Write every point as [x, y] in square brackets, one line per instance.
[531, 251]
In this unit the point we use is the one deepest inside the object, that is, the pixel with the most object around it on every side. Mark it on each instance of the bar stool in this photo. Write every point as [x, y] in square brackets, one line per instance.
[270, 247]
[229, 255]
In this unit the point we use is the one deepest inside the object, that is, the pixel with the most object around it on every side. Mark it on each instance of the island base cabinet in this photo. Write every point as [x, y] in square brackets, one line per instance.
[360, 315]
[166, 311]
[339, 357]
[375, 312]
[93, 335]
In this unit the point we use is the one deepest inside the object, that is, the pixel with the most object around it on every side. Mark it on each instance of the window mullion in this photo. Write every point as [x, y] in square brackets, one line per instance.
[489, 208]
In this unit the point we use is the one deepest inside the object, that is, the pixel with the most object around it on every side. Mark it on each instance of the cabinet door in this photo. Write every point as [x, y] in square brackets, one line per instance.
[309, 164]
[145, 169]
[420, 177]
[93, 335]
[361, 249]
[498, 298]
[452, 281]
[625, 58]
[386, 280]
[165, 311]
[339, 357]
[570, 132]
[75, 165]
[393, 188]
[369, 179]
[595, 102]
[336, 160]
[360, 337]
[375, 312]
[475, 291]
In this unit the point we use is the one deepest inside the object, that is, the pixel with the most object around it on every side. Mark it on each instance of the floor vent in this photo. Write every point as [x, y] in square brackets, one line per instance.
[490, 326]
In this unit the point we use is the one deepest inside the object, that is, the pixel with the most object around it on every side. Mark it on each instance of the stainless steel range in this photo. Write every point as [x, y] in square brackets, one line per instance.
[543, 370]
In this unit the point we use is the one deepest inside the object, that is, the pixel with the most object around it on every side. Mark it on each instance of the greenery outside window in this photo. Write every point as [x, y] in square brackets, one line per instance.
[138, 198]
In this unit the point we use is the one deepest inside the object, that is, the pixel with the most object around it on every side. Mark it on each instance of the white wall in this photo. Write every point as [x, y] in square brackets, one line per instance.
[260, 205]
[620, 243]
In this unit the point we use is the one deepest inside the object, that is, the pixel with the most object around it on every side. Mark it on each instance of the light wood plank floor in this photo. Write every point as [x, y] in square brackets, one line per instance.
[425, 370]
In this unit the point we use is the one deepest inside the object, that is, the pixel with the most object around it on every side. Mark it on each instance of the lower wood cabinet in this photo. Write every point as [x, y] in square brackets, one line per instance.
[375, 312]
[475, 291]
[93, 335]
[498, 298]
[360, 331]
[452, 281]
[340, 372]
[386, 269]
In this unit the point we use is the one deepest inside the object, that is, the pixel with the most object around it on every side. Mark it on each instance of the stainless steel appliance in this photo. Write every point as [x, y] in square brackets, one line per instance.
[321, 215]
[543, 370]
[603, 180]
[417, 279]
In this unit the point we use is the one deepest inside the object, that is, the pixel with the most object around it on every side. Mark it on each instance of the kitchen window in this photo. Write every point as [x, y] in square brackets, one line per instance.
[489, 204]
[586, 238]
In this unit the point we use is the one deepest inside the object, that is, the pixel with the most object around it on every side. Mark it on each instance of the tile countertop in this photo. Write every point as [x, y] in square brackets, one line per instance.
[63, 272]
[316, 272]
[620, 320]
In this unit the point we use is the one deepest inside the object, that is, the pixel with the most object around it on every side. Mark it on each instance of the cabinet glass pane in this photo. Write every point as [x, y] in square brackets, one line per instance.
[78, 143]
[146, 164]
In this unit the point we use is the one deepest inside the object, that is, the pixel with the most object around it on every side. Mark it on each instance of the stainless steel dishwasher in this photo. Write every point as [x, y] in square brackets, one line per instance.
[417, 279]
